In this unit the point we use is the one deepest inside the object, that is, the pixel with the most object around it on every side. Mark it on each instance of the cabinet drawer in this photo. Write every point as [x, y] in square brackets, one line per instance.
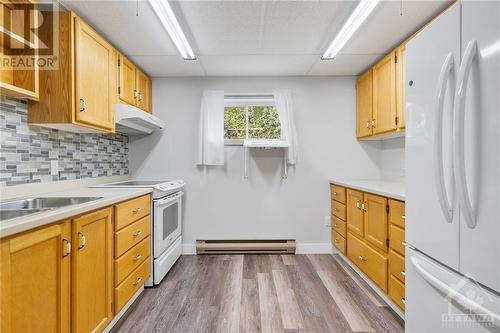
[131, 235]
[130, 211]
[397, 213]
[338, 225]
[368, 260]
[397, 265]
[397, 292]
[338, 241]
[132, 259]
[132, 283]
[397, 239]
[338, 193]
[338, 209]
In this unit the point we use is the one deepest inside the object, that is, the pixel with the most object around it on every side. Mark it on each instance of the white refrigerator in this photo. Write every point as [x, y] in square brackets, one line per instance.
[453, 172]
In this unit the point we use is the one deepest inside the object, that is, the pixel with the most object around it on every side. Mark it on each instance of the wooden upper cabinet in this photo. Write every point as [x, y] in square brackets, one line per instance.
[92, 271]
[355, 222]
[400, 86]
[19, 25]
[364, 105]
[35, 280]
[134, 86]
[143, 93]
[376, 229]
[127, 78]
[94, 83]
[384, 95]
[79, 94]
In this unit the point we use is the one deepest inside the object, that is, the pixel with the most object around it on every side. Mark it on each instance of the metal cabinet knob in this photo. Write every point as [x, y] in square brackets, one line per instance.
[137, 281]
[137, 210]
[137, 257]
[362, 258]
[138, 233]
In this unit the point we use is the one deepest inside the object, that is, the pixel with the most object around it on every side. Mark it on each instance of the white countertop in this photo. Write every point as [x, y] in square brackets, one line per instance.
[109, 196]
[394, 189]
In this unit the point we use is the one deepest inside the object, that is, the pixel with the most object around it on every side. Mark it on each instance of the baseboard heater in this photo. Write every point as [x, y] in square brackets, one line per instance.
[245, 246]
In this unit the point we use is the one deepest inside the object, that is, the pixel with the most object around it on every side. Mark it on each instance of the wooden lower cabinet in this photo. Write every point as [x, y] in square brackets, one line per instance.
[371, 262]
[60, 277]
[92, 271]
[372, 237]
[375, 217]
[35, 280]
[397, 291]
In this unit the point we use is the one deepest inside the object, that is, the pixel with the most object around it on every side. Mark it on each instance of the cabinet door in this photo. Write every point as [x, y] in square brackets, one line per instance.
[376, 220]
[400, 86]
[364, 105]
[355, 223]
[142, 87]
[384, 95]
[35, 280]
[94, 78]
[92, 271]
[127, 81]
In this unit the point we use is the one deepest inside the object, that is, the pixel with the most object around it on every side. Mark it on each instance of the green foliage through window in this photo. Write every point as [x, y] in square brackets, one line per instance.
[262, 122]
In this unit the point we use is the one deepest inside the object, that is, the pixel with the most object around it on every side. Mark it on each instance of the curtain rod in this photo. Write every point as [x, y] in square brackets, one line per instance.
[267, 94]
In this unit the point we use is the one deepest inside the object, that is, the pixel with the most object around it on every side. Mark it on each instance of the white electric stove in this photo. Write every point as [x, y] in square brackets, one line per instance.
[166, 228]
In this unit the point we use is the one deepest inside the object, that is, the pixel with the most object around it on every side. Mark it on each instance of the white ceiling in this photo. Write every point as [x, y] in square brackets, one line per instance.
[254, 38]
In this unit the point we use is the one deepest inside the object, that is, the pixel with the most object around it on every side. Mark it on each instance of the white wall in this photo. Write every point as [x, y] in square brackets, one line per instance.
[219, 202]
[393, 157]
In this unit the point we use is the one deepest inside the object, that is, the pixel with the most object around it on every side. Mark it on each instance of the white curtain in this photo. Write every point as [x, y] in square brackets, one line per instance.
[284, 105]
[211, 131]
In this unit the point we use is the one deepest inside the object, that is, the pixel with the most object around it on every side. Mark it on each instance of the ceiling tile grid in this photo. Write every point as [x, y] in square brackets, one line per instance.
[254, 38]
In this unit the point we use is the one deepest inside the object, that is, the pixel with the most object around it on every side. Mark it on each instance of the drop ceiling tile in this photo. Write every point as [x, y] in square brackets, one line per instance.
[344, 64]
[257, 65]
[117, 22]
[223, 27]
[385, 28]
[160, 66]
[299, 27]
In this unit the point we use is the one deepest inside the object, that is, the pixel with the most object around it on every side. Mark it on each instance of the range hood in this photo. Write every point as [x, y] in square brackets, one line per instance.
[133, 121]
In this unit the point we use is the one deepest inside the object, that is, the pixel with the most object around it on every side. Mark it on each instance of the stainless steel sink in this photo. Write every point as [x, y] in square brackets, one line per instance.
[10, 214]
[21, 207]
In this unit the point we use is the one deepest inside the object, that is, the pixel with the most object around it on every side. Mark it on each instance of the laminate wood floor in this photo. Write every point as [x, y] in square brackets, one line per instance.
[261, 293]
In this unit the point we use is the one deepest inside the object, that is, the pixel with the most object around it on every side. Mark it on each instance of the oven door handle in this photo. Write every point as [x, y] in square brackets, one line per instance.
[169, 199]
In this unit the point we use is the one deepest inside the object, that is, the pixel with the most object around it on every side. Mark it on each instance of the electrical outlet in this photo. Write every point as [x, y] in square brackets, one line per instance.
[54, 167]
[328, 221]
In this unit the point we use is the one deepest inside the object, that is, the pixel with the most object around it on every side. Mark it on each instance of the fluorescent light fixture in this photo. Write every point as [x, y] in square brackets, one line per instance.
[169, 21]
[362, 11]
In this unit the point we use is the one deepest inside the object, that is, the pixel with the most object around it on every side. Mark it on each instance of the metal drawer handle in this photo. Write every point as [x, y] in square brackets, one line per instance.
[403, 300]
[83, 105]
[334, 193]
[403, 243]
[137, 210]
[82, 240]
[335, 209]
[358, 204]
[335, 240]
[362, 258]
[137, 257]
[403, 217]
[373, 123]
[368, 124]
[138, 233]
[67, 247]
[403, 273]
[137, 281]
[135, 94]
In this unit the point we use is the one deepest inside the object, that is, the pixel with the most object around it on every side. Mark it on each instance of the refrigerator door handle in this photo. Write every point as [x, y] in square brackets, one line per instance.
[425, 269]
[447, 72]
[458, 134]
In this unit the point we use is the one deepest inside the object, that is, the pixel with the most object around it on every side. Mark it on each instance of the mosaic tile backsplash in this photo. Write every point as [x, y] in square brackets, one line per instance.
[26, 151]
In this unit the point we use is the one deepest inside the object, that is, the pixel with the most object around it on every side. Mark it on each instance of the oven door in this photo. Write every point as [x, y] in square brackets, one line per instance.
[167, 219]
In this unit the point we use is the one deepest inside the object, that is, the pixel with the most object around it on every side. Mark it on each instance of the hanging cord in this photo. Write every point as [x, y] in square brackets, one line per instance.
[401, 8]
[137, 8]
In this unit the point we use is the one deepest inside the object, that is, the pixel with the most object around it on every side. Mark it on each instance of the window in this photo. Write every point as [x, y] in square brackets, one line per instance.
[250, 121]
